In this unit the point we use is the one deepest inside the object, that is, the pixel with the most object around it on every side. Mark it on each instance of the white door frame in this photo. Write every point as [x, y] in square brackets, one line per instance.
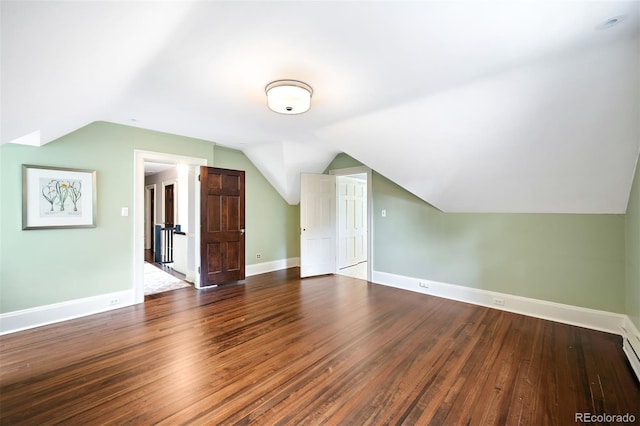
[139, 158]
[356, 171]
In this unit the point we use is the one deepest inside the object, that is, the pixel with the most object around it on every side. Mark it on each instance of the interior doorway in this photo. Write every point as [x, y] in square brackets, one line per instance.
[187, 168]
[351, 222]
[320, 224]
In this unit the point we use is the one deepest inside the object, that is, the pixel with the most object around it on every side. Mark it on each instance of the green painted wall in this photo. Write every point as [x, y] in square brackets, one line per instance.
[632, 289]
[272, 224]
[41, 267]
[343, 161]
[572, 259]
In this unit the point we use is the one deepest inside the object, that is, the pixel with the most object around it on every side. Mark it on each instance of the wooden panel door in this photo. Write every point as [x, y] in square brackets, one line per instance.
[222, 231]
[168, 206]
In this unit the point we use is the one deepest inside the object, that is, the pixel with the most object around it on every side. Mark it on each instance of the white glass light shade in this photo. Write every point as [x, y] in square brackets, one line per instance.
[289, 96]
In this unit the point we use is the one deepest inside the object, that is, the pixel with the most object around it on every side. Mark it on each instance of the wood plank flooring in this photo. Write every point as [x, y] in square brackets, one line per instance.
[326, 350]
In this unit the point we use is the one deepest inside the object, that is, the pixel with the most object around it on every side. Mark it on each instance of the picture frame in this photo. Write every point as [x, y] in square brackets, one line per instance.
[57, 197]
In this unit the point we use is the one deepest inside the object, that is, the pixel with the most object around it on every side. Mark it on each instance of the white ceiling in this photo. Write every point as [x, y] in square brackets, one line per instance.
[474, 106]
[151, 168]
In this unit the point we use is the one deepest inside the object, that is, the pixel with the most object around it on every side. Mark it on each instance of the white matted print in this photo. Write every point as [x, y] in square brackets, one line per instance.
[54, 197]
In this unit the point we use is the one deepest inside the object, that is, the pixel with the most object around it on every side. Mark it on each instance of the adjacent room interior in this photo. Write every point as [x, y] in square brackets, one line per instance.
[165, 238]
[320, 212]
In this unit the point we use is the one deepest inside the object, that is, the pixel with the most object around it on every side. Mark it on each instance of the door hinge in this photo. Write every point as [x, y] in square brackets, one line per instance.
[198, 269]
[198, 178]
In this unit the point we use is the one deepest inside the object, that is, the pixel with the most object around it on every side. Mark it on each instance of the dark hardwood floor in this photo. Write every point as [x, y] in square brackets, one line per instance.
[326, 350]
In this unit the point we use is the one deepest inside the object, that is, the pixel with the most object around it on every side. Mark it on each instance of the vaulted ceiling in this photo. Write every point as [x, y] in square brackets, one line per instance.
[474, 106]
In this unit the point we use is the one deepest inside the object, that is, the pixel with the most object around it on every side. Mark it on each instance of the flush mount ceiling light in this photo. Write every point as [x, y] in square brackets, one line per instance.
[289, 96]
[611, 22]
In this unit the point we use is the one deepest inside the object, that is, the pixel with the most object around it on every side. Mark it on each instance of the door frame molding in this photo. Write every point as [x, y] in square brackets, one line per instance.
[356, 171]
[139, 158]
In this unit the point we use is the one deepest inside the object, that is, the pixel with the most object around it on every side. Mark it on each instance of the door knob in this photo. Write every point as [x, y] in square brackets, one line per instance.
[241, 231]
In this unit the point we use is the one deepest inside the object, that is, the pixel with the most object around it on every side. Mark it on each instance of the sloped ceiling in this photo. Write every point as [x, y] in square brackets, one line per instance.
[472, 106]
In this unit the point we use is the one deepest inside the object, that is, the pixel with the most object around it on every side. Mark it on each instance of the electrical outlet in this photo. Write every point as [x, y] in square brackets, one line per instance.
[114, 301]
[423, 284]
[498, 301]
[258, 255]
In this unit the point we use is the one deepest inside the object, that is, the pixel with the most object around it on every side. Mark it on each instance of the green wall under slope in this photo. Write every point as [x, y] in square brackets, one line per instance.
[632, 235]
[572, 259]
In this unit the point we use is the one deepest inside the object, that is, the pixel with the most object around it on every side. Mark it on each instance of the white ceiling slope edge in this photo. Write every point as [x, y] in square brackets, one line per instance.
[474, 106]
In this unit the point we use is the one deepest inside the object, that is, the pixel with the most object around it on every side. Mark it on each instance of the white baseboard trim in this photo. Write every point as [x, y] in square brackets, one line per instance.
[49, 314]
[574, 315]
[631, 344]
[276, 265]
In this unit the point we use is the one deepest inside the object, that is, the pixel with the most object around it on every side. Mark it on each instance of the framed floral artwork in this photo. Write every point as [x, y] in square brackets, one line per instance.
[55, 197]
